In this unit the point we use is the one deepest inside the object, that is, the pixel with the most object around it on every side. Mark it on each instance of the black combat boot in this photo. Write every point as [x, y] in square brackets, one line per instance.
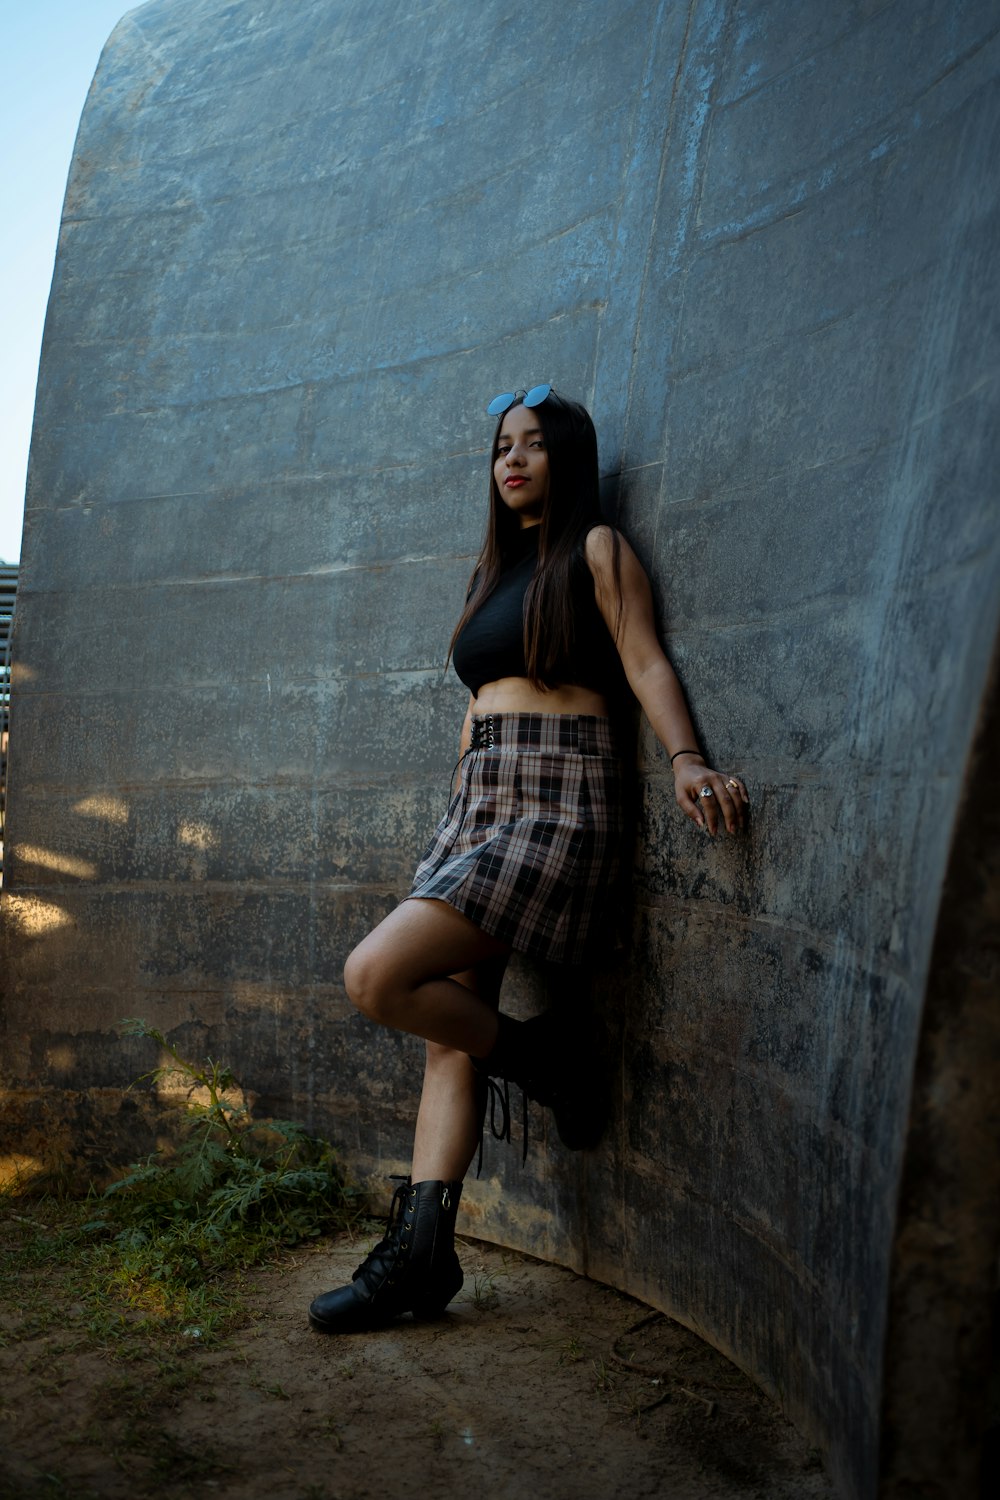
[413, 1268]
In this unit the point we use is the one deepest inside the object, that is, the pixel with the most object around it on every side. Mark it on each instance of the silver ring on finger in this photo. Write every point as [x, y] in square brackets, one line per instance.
[706, 791]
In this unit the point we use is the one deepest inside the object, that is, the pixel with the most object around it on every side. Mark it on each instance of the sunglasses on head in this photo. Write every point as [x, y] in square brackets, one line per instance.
[507, 399]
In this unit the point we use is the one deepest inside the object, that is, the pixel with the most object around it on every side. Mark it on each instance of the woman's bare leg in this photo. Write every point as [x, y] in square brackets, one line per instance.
[400, 976]
[449, 1118]
[426, 969]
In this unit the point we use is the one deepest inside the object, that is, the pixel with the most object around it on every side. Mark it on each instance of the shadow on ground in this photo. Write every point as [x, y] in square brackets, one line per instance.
[537, 1382]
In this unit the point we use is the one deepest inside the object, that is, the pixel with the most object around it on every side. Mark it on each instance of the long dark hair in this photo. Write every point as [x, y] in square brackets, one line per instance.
[572, 509]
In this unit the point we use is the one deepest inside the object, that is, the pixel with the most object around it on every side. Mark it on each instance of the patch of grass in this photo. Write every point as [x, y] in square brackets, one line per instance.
[572, 1351]
[485, 1295]
[232, 1193]
[328, 1429]
[435, 1433]
[604, 1379]
[162, 1253]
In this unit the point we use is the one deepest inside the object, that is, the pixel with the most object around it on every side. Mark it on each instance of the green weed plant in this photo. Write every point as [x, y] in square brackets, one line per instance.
[234, 1188]
[163, 1247]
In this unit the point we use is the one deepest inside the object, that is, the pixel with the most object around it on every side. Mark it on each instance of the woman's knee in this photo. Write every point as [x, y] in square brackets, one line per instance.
[368, 983]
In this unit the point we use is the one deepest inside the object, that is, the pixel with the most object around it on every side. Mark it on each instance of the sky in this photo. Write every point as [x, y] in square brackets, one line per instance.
[49, 51]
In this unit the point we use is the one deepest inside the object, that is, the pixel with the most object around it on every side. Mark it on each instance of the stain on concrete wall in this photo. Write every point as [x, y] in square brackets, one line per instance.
[302, 246]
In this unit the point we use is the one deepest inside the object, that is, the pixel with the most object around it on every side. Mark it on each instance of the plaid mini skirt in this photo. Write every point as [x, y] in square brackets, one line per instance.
[531, 845]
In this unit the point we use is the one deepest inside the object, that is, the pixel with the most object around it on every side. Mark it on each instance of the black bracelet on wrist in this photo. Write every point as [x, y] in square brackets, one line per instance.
[684, 752]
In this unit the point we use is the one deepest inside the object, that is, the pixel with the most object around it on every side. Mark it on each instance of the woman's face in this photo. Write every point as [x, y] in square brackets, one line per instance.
[521, 470]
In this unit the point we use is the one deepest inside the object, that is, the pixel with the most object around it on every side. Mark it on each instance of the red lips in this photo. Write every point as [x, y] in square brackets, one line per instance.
[514, 479]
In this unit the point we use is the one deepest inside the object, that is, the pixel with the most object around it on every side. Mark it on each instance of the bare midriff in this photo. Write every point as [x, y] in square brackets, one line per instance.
[515, 695]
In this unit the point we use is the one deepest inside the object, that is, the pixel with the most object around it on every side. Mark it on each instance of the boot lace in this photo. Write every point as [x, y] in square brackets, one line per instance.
[498, 1100]
[383, 1258]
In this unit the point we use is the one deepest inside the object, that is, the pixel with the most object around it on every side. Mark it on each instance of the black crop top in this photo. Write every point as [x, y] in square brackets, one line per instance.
[491, 644]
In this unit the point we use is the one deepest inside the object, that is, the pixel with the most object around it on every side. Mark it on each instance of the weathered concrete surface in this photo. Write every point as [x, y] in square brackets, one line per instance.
[302, 246]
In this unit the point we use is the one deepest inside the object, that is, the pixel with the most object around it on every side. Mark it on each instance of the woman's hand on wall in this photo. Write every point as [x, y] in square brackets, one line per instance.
[708, 797]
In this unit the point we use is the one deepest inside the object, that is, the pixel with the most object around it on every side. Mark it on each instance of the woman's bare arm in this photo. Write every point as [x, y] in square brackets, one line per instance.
[655, 684]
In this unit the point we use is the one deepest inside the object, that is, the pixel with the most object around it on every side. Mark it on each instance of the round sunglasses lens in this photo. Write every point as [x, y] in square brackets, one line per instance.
[537, 395]
[500, 403]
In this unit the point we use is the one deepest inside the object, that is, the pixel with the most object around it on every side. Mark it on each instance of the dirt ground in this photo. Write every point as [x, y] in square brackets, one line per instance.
[536, 1383]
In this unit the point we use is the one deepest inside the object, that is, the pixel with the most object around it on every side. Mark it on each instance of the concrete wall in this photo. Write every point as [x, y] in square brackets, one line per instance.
[302, 246]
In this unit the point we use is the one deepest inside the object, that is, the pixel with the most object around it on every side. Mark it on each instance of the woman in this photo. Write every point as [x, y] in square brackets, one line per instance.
[527, 853]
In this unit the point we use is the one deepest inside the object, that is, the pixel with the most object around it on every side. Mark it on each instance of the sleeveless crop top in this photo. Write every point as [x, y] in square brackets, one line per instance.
[491, 645]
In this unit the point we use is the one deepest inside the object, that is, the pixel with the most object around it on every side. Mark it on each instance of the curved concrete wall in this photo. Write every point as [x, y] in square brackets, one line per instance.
[302, 245]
